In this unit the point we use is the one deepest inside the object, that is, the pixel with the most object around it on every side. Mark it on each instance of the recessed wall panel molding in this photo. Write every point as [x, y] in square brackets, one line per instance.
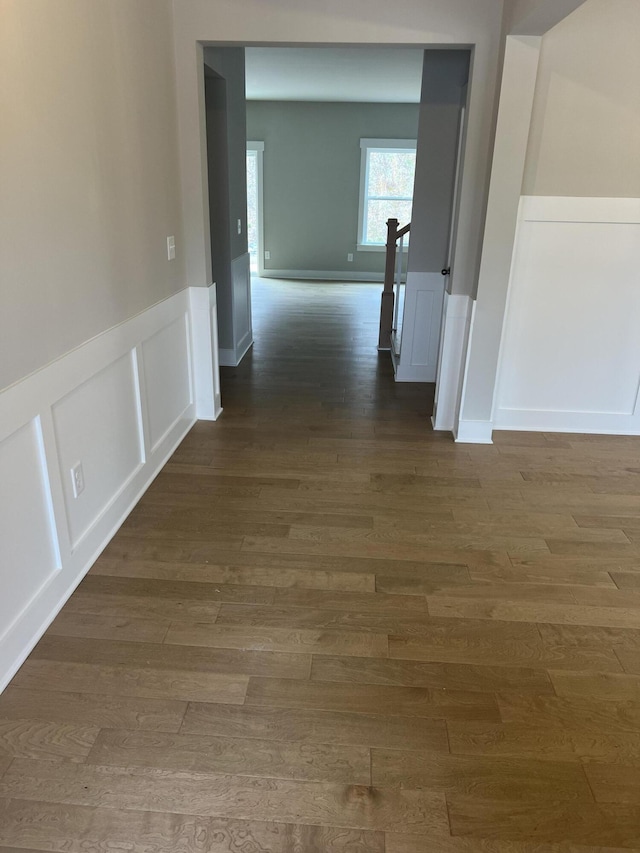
[167, 378]
[242, 331]
[28, 561]
[80, 441]
[421, 327]
[97, 428]
[242, 322]
[570, 357]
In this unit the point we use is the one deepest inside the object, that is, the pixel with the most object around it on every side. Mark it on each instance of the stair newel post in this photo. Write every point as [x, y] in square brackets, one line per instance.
[386, 306]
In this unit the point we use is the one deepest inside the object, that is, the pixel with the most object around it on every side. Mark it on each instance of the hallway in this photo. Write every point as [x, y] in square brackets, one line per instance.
[326, 629]
[315, 350]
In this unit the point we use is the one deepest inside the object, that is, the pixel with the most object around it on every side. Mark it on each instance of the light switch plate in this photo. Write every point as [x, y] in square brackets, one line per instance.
[171, 248]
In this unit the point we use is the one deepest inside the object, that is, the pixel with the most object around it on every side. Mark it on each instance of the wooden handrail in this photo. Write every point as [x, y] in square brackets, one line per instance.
[387, 304]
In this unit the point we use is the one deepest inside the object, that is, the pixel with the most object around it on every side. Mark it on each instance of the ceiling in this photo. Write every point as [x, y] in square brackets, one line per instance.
[360, 74]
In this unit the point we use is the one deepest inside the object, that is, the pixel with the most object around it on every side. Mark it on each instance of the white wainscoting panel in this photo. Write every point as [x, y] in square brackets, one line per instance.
[167, 380]
[242, 324]
[570, 356]
[98, 425]
[26, 502]
[421, 326]
[456, 319]
[204, 342]
[119, 405]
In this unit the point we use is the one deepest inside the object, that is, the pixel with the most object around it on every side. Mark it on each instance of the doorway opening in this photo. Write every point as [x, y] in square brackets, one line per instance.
[316, 199]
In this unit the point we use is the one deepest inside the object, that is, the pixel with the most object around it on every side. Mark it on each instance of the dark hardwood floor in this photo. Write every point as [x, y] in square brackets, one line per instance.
[326, 629]
[315, 350]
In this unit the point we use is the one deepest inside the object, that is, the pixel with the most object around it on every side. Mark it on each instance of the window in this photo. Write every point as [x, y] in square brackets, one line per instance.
[386, 188]
[255, 229]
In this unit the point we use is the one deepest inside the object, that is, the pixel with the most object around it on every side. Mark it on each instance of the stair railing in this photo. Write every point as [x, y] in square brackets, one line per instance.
[392, 278]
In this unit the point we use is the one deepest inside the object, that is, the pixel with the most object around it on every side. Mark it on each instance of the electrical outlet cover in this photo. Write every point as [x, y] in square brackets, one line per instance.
[77, 479]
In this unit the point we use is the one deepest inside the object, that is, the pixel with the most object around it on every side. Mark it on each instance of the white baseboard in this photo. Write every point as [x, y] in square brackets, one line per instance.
[325, 275]
[244, 345]
[232, 357]
[119, 405]
[227, 358]
[593, 423]
[474, 432]
[456, 320]
[410, 374]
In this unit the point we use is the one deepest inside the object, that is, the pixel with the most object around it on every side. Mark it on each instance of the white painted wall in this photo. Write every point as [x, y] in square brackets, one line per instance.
[241, 321]
[514, 117]
[118, 405]
[575, 263]
[570, 357]
[456, 321]
[585, 127]
[105, 356]
[206, 376]
[536, 17]
[90, 183]
[98, 424]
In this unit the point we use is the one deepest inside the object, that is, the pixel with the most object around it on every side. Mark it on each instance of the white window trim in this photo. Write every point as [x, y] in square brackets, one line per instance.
[366, 146]
[258, 147]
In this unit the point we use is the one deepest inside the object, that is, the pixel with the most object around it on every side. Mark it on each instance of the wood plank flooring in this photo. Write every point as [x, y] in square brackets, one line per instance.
[326, 629]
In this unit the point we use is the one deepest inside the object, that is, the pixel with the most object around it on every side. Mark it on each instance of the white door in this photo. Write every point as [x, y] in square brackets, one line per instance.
[423, 301]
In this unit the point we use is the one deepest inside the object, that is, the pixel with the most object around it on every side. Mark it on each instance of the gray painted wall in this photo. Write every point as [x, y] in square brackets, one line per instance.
[445, 76]
[90, 184]
[215, 92]
[312, 176]
[226, 166]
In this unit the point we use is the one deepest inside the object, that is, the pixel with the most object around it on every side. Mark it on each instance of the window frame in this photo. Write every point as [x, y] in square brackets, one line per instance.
[368, 146]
